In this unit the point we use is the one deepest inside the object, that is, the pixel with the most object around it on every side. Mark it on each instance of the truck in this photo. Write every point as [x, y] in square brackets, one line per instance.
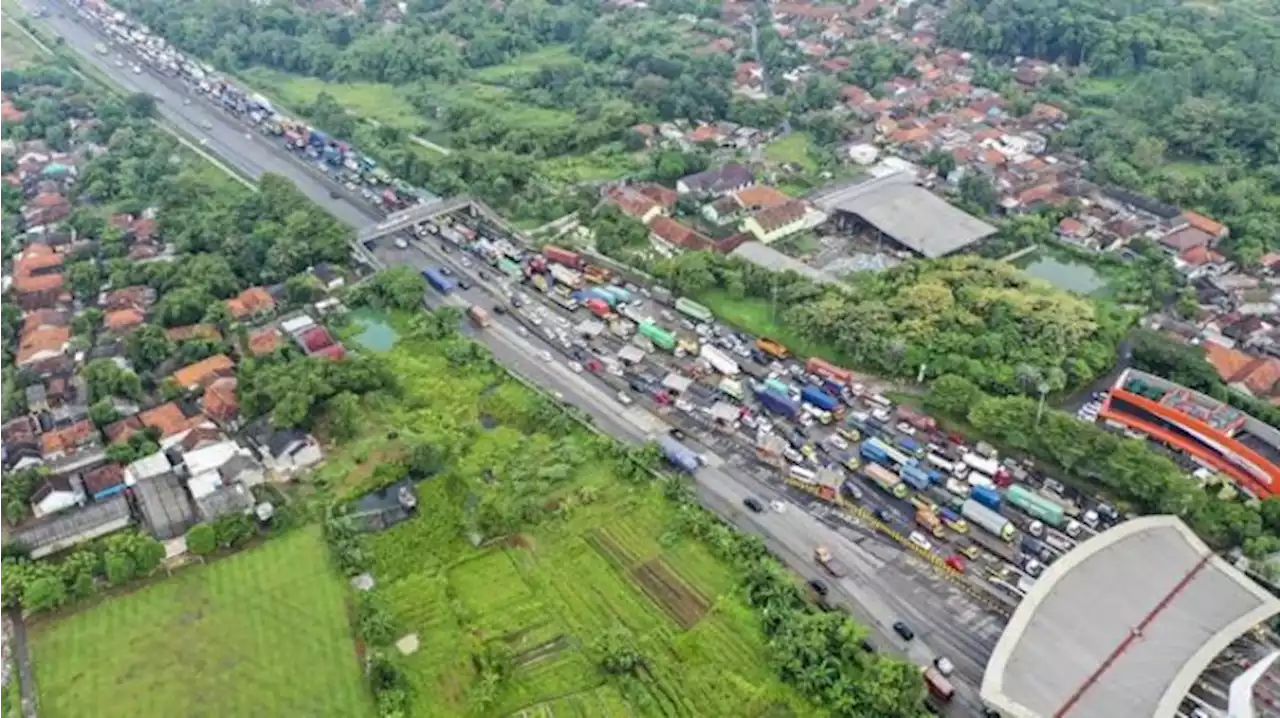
[893, 456]
[988, 466]
[916, 419]
[1035, 547]
[772, 348]
[986, 496]
[718, 360]
[828, 562]
[827, 370]
[562, 256]
[928, 520]
[678, 454]
[693, 310]
[598, 307]
[732, 388]
[1036, 506]
[438, 280]
[660, 337]
[910, 446]
[872, 452]
[979, 515]
[618, 293]
[915, 477]
[479, 316]
[953, 520]
[885, 479]
[778, 403]
[819, 398]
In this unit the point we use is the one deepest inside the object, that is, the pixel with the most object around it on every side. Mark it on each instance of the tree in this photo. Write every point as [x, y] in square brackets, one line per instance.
[303, 288]
[343, 413]
[120, 568]
[616, 652]
[201, 539]
[105, 379]
[44, 594]
[977, 191]
[103, 413]
[234, 529]
[147, 347]
[140, 105]
[395, 288]
[952, 395]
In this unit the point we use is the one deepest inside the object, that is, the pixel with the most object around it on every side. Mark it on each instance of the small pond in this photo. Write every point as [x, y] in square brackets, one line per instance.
[1064, 273]
[375, 333]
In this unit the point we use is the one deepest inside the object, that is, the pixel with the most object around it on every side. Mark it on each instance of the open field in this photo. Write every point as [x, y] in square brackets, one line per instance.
[756, 317]
[370, 100]
[524, 66]
[604, 555]
[18, 49]
[792, 149]
[261, 633]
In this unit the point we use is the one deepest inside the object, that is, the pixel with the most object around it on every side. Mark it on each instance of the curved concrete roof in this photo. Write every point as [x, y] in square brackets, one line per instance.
[1122, 626]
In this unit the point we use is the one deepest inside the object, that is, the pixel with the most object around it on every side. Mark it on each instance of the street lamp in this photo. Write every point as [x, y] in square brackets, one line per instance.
[1043, 388]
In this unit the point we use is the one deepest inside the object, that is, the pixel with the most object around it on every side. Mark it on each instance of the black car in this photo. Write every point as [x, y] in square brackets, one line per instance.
[333, 194]
[464, 284]
[499, 309]
[818, 587]
[676, 434]
[754, 504]
[867, 646]
[483, 277]
[902, 629]
[516, 301]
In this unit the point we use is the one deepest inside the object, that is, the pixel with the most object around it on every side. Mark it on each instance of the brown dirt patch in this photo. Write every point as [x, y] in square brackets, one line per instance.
[679, 600]
[613, 550]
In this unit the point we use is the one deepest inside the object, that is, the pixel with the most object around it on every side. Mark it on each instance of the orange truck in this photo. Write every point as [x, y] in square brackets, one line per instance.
[772, 348]
[480, 316]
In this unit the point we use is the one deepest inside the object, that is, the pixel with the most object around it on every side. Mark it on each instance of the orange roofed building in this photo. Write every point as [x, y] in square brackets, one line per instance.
[251, 302]
[203, 372]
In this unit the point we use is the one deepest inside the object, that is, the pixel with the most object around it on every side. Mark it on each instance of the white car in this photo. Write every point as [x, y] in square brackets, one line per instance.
[624, 398]
[522, 331]
[944, 665]
[544, 356]
[906, 428]
[684, 405]
[918, 539]
[838, 441]
[401, 243]
[576, 367]
[778, 506]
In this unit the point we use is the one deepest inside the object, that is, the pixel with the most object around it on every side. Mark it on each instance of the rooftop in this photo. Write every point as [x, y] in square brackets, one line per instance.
[911, 215]
[765, 256]
[1170, 606]
[204, 370]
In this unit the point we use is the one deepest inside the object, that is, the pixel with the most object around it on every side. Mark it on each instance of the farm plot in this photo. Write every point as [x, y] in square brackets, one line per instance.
[261, 633]
[670, 592]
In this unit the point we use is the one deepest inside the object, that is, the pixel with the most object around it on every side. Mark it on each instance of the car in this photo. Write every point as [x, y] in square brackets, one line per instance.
[918, 539]
[838, 441]
[885, 515]
[902, 629]
[464, 285]
[522, 331]
[955, 563]
[544, 356]
[754, 504]
[778, 507]
[401, 243]
[576, 367]
[483, 276]
[970, 551]
[517, 301]
[466, 262]
[499, 309]
[624, 398]
[818, 587]
[186, 101]
[676, 434]
[205, 124]
[867, 646]
[944, 665]
[446, 271]
[333, 194]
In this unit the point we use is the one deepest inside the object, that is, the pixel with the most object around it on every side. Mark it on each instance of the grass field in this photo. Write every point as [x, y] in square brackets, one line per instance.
[524, 66]
[375, 101]
[792, 149]
[755, 316]
[262, 633]
[18, 49]
[608, 557]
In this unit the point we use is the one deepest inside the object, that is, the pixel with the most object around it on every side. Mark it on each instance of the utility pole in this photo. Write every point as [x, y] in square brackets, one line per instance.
[1043, 388]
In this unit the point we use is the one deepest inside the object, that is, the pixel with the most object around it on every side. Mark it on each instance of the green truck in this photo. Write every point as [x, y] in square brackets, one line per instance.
[660, 337]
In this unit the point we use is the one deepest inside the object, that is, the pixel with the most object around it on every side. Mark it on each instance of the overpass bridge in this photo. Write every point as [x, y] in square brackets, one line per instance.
[419, 213]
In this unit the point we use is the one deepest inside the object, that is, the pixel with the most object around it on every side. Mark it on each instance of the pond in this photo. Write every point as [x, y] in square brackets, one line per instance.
[1065, 274]
[375, 332]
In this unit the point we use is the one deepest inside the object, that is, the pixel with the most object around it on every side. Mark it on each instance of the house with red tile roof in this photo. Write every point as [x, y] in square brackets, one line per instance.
[139, 297]
[193, 331]
[254, 301]
[123, 320]
[42, 344]
[1257, 376]
[203, 372]
[774, 223]
[265, 340]
[673, 235]
[633, 203]
[219, 401]
[61, 442]
[664, 196]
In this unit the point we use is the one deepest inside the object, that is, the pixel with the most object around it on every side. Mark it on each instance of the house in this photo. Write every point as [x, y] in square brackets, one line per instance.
[42, 344]
[232, 462]
[45, 208]
[219, 401]
[104, 481]
[207, 332]
[671, 235]
[284, 451]
[722, 211]
[265, 340]
[760, 197]
[730, 178]
[138, 297]
[1185, 238]
[329, 276]
[774, 223]
[1256, 376]
[170, 421]
[633, 203]
[1073, 230]
[1199, 261]
[120, 430]
[67, 441]
[37, 277]
[56, 494]
[204, 371]
[123, 320]
[1197, 221]
[705, 133]
[21, 442]
[37, 398]
[666, 198]
[254, 301]
[62, 531]
[333, 352]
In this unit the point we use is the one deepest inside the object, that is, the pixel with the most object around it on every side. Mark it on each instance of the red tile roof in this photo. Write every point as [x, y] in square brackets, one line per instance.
[1204, 224]
[775, 218]
[42, 340]
[122, 319]
[333, 351]
[662, 195]
[315, 339]
[193, 331]
[118, 431]
[1261, 375]
[249, 302]
[1201, 255]
[103, 478]
[64, 440]
[204, 371]
[761, 197]
[219, 400]
[168, 418]
[264, 341]
[632, 202]
[675, 233]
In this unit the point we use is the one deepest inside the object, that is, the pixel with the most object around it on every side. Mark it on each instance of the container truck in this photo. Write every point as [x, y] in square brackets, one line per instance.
[989, 467]
[910, 445]
[915, 477]
[778, 403]
[678, 454]
[916, 419]
[819, 398]
[952, 519]
[986, 496]
[895, 457]
[1035, 547]
[508, 267]
[873, 453]
[438, 280]
[983, 517]
[598, 307]
[777, 385]
[568, 277]
[479, 316]
[928, 520]
[885, 479]
[1036, 506]
[693, 310]
[772, 348]
[733, 388]
[562, 256]
[660, 337]
[718, 360]
[827, 370]
[618, 293]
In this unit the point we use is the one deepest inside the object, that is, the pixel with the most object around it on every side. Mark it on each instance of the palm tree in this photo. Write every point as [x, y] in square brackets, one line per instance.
[1027, 377]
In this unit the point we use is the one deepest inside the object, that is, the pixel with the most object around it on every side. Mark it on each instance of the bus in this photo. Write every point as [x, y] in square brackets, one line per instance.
[940, 689]
[693, 310]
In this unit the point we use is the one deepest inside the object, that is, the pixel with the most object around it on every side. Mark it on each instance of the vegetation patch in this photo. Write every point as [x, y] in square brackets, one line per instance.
[792, 149]
[669, 591]
[264, 632]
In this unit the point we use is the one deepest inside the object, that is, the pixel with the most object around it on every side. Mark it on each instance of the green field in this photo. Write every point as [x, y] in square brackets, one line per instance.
[755, 316]
[519, 68]
[262, 633]
[606, 554]
[792, 149]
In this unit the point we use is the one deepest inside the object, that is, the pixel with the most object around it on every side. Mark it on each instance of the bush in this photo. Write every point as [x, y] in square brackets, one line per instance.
[201, 540]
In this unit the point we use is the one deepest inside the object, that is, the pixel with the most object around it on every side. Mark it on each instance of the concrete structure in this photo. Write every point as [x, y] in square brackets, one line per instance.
[908, 214]
[1240, 447]
[1122, 626]
[772, 259]
[62, 531]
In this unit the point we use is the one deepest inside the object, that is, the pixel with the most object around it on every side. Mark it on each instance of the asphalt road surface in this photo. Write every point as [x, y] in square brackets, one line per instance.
[884, 583]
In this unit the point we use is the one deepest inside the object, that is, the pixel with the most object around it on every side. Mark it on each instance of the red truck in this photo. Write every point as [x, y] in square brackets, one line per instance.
[598, 307]
[563, 256]
[916, 419]
[827, 370]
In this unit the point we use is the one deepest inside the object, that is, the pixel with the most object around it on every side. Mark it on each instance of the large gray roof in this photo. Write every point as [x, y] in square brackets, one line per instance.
[913, 216]
[770, 258]
[1122, 626]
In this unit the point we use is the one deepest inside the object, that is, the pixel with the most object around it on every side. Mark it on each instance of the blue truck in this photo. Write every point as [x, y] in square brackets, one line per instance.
[777, 403]
[316, 138]
[909, 445]
[601, 294]
[986, 496]
[874, 453]
[679, 455]
[438, 280]
[915, 477]
[819, 398]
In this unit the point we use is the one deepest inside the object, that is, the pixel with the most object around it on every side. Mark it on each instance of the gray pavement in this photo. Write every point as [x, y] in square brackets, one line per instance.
[884, 584]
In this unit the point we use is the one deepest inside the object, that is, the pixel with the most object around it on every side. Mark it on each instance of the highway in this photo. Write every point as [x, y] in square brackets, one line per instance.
[884, 583]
